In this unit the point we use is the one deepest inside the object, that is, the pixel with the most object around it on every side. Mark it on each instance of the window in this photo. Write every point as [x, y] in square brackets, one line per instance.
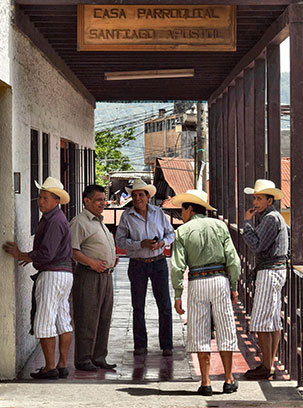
[77, 171]
[45, 161]
[34, 175]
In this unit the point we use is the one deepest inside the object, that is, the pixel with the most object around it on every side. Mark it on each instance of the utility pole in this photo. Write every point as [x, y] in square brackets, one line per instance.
[204, 146]
[195, 162]
[199, 139]
[199, 135]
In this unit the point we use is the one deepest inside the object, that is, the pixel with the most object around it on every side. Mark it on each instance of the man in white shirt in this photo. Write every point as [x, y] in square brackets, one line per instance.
[143, 232]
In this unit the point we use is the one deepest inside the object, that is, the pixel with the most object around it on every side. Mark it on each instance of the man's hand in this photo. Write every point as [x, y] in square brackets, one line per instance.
[249, 214]
[178, 306]
[12, 249]
[234, 296]
[152, 244]
[97, 265]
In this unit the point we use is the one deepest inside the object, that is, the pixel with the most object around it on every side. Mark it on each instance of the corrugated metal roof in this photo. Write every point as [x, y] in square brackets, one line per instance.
[285, 181]
[178, 173]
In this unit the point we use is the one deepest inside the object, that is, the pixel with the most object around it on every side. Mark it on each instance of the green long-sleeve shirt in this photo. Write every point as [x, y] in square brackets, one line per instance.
[203, 241]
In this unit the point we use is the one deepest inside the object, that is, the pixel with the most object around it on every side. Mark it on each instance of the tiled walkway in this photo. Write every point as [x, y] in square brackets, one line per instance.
[154, 367]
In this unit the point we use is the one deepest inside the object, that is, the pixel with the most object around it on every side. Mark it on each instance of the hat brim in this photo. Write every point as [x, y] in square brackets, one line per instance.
[150, 188]
[179, 199]
[62, 194]
[276, 192]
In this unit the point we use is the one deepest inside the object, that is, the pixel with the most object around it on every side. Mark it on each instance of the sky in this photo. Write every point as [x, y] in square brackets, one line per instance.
[284, 55]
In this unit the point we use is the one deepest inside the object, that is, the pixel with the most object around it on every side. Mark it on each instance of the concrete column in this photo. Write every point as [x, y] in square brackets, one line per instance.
[296, 145]
[7, 265]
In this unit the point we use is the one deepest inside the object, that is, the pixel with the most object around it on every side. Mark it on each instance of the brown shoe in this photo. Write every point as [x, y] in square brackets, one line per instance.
[141, 351]
[87, 366]
[259, 373]
[167, 353]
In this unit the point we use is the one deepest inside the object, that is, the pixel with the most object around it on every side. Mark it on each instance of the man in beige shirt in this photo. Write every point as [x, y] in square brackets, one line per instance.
[95, 253]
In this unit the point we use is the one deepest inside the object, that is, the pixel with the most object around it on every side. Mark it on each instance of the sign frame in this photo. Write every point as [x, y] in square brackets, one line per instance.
[107, 22]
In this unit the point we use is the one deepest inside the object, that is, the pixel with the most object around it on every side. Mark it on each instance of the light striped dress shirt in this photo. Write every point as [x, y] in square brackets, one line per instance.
[133, 229]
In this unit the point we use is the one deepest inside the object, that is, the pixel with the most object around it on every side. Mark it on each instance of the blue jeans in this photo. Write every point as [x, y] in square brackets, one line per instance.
[138, 273]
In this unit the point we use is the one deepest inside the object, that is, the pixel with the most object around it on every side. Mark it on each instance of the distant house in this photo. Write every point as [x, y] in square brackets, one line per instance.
[121, 179]
[172, 176]
[172, 135]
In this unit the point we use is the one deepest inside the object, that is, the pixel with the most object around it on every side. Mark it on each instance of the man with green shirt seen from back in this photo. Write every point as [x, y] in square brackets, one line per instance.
[205, 246]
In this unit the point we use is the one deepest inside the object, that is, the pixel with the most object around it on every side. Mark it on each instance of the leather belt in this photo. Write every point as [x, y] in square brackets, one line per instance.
[108, 271]
[149, 260]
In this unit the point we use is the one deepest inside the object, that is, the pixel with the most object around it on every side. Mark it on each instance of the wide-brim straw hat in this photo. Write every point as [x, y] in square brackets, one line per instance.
[141, 185]
[263, 186]
[192, 196]
[52, 185]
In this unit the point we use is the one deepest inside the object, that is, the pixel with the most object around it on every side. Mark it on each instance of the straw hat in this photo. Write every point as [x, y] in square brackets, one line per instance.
[265, 187]
[141, 185]
[54, 186]
[194, 197]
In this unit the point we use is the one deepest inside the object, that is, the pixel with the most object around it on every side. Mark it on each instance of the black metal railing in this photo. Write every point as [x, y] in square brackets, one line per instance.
[290, 348]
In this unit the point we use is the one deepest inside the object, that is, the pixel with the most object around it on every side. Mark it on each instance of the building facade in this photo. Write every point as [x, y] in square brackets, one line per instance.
[46, 129]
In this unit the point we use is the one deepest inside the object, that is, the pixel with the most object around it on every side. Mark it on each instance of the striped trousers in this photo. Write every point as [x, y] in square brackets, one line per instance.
[204, 294]
[52, 316]
[266, 312]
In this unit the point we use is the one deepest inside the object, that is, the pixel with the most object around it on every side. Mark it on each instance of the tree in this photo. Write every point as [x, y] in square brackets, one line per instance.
[109, 157]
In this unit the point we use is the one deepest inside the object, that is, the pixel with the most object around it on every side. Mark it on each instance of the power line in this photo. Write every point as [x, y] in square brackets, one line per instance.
[127, 121]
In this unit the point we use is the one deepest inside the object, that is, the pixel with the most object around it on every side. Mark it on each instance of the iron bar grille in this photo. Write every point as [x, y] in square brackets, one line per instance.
[34, 175]
[79, 169]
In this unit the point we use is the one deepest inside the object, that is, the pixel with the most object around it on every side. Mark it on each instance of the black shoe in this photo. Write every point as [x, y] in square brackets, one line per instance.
[63, 372]
[88, 366]
[259, 373]
[104, 365]
[205, 390]
[230, 388]
[167, 353]
[48, 375]
[140, 351]
[260, 367]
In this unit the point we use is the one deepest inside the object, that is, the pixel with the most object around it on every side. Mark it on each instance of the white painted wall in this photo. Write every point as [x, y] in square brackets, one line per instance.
[41, 99]
[44, 100]
[7, 273]
[5, 40]
[7, 269]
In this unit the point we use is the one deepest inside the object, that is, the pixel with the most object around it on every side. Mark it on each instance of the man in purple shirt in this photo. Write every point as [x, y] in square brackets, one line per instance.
[51, 256]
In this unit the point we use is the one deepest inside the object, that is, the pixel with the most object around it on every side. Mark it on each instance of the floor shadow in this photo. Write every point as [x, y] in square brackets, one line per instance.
[144, 392]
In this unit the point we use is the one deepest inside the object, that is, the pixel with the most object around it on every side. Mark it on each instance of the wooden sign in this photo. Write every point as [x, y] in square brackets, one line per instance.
[156, 28]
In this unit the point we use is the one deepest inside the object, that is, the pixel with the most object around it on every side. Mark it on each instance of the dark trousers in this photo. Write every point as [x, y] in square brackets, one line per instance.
[92, 304]
[138, 273]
